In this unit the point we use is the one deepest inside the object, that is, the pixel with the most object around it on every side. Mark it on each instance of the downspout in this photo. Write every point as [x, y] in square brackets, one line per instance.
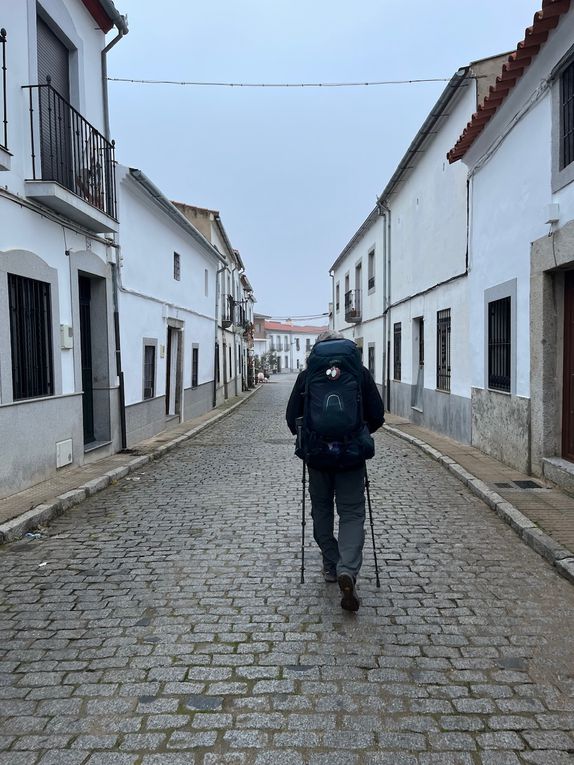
[332, 275]
[122, 27]
[387, 298]
[121, 23]
[216, 359]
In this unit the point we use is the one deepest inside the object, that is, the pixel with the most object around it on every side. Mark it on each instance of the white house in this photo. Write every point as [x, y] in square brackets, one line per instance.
[519, 151]
[400, 284]
[59, 387]
[167, 296]
[235, 301]
[291, 344]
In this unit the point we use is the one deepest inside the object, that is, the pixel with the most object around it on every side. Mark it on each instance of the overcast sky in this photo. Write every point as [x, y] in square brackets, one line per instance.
[292, 172]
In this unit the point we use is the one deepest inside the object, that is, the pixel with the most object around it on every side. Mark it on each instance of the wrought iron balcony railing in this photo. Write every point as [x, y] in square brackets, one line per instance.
[68, 150]
[353, 306]
[227, 311]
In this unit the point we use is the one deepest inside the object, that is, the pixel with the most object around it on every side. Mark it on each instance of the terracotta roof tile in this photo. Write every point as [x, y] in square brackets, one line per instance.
[535, 36]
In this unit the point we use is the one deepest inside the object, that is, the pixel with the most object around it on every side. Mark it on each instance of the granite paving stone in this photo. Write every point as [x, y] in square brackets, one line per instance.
[170, 627]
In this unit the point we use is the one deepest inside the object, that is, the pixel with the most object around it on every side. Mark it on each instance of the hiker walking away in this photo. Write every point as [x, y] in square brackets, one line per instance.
[333, 408]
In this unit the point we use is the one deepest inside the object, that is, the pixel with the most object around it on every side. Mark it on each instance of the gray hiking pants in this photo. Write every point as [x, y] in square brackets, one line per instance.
[347, 490]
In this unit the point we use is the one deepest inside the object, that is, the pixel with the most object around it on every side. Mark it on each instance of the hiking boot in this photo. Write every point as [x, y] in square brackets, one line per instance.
[350, 600]
[329, 575]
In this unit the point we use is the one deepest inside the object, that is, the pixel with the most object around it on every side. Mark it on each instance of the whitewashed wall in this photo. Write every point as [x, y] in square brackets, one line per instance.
[149, 239]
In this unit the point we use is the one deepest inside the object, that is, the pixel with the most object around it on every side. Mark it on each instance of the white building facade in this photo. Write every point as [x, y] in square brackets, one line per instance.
[400, 285]
[519, 151]
[290, 344]
[59, 384]
[235, 305]
[167, 291]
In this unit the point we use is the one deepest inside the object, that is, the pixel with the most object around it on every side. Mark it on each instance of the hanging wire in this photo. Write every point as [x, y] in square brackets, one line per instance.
[284, 84]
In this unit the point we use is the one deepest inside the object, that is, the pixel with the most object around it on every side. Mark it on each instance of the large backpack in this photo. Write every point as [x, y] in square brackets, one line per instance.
[333, 432]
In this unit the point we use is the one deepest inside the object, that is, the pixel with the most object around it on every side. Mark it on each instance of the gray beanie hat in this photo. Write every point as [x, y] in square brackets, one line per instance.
[329, 334]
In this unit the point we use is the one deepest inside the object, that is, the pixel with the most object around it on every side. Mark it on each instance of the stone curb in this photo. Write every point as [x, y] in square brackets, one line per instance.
[561, 558]
[41, 514]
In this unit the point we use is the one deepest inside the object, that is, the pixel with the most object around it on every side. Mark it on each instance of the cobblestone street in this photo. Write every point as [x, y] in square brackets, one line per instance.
[162, 621]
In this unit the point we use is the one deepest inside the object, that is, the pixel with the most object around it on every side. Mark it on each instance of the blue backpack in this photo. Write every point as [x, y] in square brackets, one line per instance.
[333, 434]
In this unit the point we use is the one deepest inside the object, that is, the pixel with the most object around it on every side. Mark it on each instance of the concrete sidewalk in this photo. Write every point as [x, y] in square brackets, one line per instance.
[541, 514]
[40, 503]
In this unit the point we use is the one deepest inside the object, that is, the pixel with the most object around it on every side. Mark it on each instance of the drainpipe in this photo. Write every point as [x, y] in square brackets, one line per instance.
[118, 352]
[121, 23]
[223, 268]
[332, 275]
[385, 210]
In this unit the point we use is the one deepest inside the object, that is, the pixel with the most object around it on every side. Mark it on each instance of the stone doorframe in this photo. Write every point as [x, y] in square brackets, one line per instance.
[550, 256]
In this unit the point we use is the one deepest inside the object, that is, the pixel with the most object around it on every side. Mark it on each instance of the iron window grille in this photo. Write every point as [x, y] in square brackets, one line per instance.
[149, 371]
[337, 297]
[397, 336]
[307, 344]
[297, 344]
[499, 344]
[176, 266]
[4, 143]
[31, 337]
[194, 367]
[371, 359]
[371, 271]
[421, 342]
[567, 108]
[443, 350]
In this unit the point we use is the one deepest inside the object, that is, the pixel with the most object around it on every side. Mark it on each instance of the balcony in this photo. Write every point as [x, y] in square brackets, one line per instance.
[227, 312]
[353, 313]
[73, 165]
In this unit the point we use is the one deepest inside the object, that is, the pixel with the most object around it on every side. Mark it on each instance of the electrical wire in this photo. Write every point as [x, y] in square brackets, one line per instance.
[283, 84]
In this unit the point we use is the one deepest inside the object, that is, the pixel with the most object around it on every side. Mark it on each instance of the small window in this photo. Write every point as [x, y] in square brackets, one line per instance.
[337, 296]
[149, 371]
[29, 303]
[297, 344]
[307, 344]
[397, 330]
[499, 344]
[371, 271]
[286, 362]
[371, 359]
[194, 366]
[443, 350]
[206, 274]
[176, 266]
[567, 116]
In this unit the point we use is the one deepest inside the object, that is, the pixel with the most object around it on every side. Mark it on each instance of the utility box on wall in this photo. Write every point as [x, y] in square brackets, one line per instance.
[66, 337]
[64, 453]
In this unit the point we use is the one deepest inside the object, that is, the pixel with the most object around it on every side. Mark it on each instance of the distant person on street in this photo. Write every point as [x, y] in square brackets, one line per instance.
[333, 408]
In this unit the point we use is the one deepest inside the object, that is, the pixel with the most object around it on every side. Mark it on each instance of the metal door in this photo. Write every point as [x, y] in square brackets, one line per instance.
[85, 299]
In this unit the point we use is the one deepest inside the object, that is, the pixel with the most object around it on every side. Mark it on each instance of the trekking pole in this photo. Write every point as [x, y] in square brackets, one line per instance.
[303, 524]
[367, 485]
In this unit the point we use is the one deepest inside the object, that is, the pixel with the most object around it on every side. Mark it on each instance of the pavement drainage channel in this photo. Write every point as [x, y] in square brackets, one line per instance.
[522, 485]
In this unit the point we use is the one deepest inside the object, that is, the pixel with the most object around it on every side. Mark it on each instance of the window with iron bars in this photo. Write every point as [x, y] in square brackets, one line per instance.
[397, 333]
[499, 344]
[149, 371]
[371, 271]
[371, 359]
[176, 266]
[337, 296]
[29, 302]
[194, 367]
[443, 350]
[567, 116]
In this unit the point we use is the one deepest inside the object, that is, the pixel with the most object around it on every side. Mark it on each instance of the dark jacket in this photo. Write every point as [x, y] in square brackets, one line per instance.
[373, 409]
